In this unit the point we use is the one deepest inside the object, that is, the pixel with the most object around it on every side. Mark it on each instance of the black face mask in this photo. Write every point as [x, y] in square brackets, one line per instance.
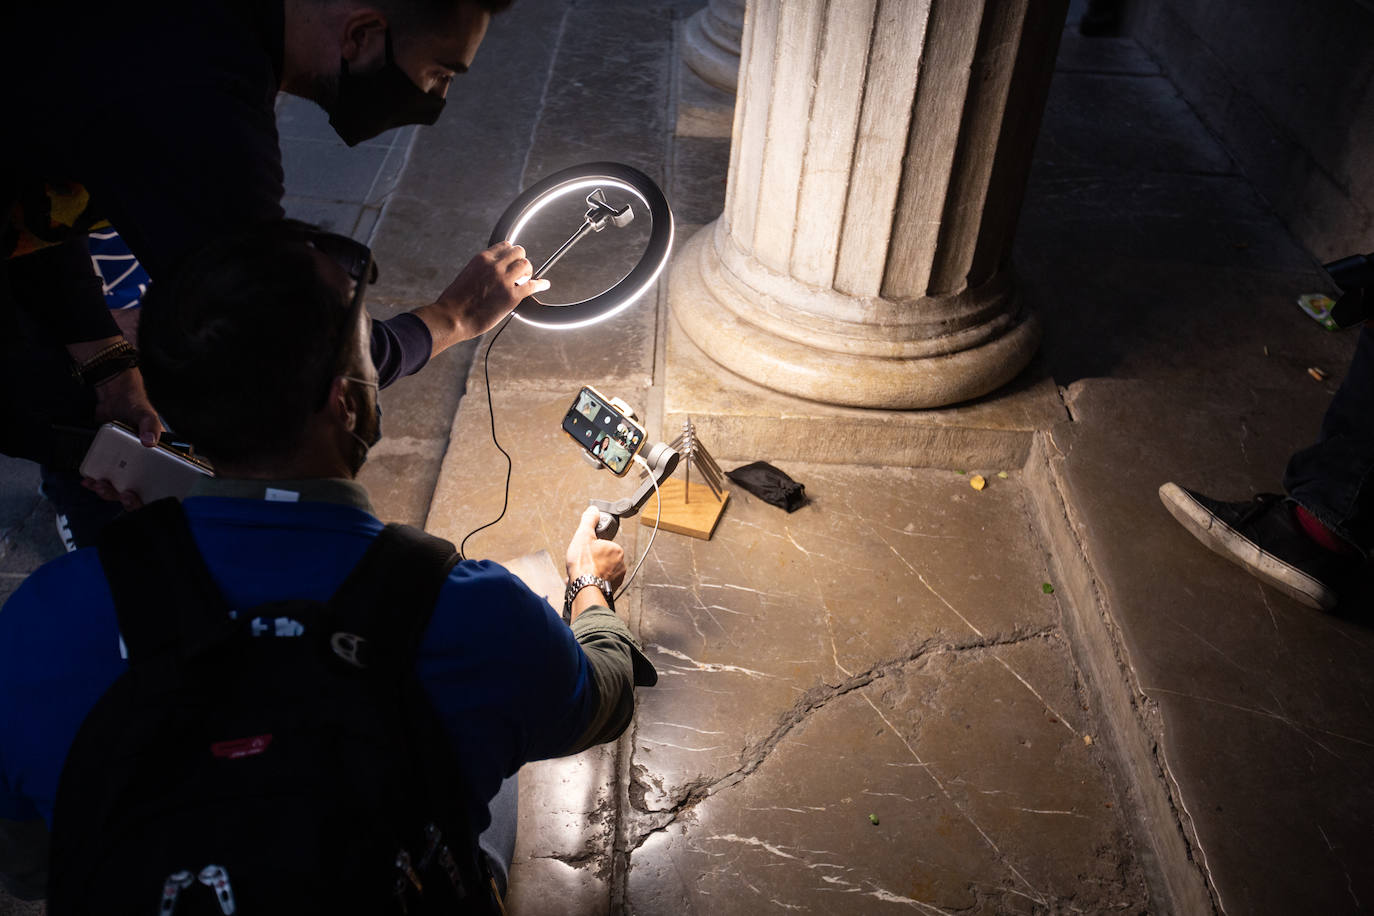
[370, 103]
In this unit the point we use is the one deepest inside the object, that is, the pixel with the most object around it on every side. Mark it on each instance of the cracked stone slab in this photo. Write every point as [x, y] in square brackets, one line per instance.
[984, 803]
[564, 835]
[896, 624]
[880, 565]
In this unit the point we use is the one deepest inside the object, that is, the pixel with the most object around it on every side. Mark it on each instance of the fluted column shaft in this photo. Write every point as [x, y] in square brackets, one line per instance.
[879, 159]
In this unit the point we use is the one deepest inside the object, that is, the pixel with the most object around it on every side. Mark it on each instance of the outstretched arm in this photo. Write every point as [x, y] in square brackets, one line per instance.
[486, 290]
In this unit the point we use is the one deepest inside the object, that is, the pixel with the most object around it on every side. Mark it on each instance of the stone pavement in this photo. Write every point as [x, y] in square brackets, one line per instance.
[887, 650]
[1159, 734]
[1169, 293]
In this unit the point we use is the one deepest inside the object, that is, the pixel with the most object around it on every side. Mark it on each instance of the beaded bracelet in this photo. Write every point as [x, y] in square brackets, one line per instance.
[108, 363]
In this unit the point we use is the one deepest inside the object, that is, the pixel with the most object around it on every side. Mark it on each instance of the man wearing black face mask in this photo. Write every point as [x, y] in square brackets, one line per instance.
[177, 142]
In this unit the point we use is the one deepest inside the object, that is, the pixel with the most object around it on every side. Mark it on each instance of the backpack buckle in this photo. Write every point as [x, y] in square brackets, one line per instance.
[216, 878]
[172, 888]
[349, 647]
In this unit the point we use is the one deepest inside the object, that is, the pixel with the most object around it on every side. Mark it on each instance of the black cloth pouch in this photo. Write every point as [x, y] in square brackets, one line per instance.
[770, 485]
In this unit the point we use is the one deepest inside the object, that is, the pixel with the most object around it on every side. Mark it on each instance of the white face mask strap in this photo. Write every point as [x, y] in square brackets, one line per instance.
[361, 442]
[360, 381]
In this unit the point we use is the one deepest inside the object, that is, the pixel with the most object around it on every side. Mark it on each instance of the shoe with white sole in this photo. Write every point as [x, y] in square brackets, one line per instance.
[1262, 536]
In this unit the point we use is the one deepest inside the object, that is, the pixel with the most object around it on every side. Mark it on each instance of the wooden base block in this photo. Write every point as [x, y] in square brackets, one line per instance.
[696, 517]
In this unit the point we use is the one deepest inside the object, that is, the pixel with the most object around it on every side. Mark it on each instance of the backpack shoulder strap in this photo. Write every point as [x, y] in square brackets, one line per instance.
[388, 598]
[169, 608]
[383, 607]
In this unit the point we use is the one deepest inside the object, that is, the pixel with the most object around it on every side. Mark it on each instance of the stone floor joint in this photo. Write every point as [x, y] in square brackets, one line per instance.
[1144, 711]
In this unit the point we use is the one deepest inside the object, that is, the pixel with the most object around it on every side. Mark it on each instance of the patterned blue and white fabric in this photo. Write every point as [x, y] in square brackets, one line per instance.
[125, 279]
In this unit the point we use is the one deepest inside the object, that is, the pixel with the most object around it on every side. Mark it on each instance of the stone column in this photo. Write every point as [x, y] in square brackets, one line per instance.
[711, 43]
[879, 159]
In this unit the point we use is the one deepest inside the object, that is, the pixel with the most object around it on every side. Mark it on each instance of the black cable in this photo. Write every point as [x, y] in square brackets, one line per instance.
[491, 414]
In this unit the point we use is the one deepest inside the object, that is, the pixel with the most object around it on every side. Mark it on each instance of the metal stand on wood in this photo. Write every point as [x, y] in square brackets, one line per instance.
[689, 508]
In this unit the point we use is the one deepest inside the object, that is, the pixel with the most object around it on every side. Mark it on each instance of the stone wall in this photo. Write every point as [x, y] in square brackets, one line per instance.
[1288, 86]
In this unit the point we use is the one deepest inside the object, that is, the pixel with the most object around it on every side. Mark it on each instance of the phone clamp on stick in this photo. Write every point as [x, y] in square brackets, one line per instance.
[662, 461]
[599, 213]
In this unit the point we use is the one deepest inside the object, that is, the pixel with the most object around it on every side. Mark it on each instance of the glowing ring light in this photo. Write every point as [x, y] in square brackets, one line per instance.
[581, 180]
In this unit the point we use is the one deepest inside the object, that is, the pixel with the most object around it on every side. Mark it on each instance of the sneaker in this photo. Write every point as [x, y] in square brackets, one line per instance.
[1261, 536]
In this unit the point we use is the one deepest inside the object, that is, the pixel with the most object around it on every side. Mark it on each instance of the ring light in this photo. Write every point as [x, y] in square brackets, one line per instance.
[583, 179]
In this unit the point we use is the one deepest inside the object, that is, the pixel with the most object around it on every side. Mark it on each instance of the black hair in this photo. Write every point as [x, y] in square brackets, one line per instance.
[240, 344]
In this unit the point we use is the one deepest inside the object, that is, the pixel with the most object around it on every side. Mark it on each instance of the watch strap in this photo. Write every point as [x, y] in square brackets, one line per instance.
[581, 582]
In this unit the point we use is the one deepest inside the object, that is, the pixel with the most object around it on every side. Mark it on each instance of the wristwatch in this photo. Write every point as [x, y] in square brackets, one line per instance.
[580, 583]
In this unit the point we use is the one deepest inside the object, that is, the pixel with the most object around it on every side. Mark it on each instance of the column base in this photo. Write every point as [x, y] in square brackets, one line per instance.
[711, 315]
[741, 420]
[711, 52]
[703, 110]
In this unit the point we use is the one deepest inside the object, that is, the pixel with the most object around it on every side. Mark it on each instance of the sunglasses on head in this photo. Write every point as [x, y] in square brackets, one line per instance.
[353, 256]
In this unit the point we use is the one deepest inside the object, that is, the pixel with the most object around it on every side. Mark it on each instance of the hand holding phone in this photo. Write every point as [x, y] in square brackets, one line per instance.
[152, 473]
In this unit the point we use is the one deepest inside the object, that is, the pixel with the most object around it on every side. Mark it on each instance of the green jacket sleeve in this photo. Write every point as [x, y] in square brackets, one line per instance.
[617, 667]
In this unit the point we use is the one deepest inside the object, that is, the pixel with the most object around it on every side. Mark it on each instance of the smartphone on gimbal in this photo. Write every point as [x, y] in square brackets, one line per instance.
[606, 433]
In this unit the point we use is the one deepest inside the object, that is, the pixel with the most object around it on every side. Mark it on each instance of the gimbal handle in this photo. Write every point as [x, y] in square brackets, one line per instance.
[662, 461]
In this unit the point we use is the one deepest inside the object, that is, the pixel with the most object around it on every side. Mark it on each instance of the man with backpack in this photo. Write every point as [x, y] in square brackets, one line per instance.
[263, 700]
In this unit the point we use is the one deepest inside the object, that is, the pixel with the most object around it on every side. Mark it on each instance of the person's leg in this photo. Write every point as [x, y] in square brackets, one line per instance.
[47, 419]
[1309, 544]
[1334, 478]
[498, 840]
[1262, 535]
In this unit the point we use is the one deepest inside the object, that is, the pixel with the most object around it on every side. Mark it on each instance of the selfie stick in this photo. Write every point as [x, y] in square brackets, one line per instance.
[598, 215]
[662, 461]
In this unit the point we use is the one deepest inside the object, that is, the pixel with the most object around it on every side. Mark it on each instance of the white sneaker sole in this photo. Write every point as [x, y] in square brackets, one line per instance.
[1224, 540]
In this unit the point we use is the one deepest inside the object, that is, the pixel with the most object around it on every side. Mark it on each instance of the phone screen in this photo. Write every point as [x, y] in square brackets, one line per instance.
[603, 431]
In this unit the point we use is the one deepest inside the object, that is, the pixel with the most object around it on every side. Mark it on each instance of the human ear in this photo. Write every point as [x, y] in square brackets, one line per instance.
[362, 35]
[340, 406]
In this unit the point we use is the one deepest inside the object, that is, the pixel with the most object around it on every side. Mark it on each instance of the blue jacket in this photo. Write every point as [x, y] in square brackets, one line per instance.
[509, 680]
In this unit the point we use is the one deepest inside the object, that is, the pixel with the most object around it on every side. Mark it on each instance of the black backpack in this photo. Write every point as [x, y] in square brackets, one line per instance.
[228, 772]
